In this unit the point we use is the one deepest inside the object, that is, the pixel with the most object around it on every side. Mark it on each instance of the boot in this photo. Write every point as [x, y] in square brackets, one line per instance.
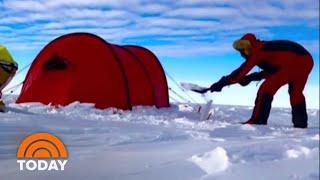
[299, 115]
[261, 110]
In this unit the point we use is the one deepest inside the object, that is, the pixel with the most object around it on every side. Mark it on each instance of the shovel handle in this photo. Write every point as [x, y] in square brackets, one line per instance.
[201, 91]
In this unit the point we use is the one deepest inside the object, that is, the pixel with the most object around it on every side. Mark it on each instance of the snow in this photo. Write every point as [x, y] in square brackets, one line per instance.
[298, 152]
[167, 143]
[213, 161]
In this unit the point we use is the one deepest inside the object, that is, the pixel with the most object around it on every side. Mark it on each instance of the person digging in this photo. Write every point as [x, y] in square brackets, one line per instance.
[282, 62]
[8, 68]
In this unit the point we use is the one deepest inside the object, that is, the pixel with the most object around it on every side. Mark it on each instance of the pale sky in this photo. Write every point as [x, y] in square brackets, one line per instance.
[192, 38]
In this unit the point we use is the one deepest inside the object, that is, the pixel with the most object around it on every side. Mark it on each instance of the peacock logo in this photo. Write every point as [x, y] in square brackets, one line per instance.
[42, 151]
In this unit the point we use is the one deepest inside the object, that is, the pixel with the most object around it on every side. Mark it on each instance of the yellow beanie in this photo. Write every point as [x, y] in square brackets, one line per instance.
[242, 45]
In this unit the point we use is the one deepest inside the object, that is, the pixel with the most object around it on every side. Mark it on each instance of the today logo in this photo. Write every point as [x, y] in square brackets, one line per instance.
[42, 152]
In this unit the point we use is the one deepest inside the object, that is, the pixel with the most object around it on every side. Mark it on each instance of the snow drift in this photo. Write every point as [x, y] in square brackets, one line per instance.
[168, 143]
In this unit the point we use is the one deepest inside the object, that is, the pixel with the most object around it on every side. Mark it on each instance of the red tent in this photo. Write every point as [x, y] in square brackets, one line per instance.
[155, 71]
[83, 67]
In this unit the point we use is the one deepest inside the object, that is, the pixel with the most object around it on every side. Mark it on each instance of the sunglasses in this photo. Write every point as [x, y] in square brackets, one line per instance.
[9, 68]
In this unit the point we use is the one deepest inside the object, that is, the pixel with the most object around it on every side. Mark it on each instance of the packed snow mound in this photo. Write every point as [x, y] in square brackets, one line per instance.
[301, 152]
[151, 143]
[213, 161]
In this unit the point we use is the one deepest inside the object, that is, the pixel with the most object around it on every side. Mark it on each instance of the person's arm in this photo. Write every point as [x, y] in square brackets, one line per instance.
[238, 74]
[256, 76]
[235, 77]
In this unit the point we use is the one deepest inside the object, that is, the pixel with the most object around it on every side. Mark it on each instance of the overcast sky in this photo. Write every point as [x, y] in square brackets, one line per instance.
[192, 38]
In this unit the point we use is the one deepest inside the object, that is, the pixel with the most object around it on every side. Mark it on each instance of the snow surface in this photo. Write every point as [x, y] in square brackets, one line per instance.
[169, 143]
[212, 162]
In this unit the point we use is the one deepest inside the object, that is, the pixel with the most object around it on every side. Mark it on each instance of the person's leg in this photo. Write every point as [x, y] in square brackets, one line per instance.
[265, 95]
[298, 104]
[297, 99]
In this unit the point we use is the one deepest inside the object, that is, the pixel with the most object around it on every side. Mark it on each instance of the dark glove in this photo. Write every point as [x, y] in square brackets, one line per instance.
[251, 77]
[217, 87]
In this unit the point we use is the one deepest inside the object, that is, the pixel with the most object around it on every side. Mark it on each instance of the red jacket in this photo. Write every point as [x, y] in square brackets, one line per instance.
[272, 56]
